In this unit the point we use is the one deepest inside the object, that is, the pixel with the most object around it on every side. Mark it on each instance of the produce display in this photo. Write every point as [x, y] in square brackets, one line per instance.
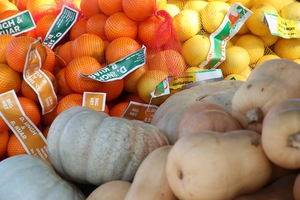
[149, 99]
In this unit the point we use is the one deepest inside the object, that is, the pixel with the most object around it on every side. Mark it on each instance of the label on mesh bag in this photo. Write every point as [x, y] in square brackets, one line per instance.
[232, 22]
[61, 25]
[120, 68]
[94, 100]
[39, 81]
[31, 138]
[139, 111]
[281, 27]
[17, 24]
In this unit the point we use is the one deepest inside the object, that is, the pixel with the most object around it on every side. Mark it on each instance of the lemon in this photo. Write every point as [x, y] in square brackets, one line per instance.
[255, 23]
[243, 30]
[291, 11]
[195, 49]
[269, 39]
[235, 77]
[253, 44]
[246, 72]
[178, 3]
[237, 60]
[187, 23]
[297, 60]
[147, 83]
[172, 9]
[265, 58]
[195, 5]
[287, 48]
[246, 3]
[278, 4]
[213, 14]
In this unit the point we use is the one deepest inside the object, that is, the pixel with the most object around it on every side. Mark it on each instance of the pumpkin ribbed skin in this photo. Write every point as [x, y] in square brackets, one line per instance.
[91, 147]
[30, 178]
[169, 113]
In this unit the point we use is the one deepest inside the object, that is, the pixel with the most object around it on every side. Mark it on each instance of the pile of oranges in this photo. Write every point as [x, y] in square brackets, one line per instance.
[105, 32]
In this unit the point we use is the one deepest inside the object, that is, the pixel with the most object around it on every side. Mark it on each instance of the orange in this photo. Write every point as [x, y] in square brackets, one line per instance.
[95, 24]
[69, 101]
[4, 40]
[4, 137]
[31, 109]
[78, 28]
[149, 35]
[14, 146]
[28, 92]
[139, 10]
[6, 5]
[17, 49]
[46, 131]
[8, 13]
[82, 65]
[50, 61]
[63, 55]
[10, 79]
[118, 109]
[88, 44]
[37, 7]
[131, 79]
[43, 25]
[110, 7]
[120, 25]
[89, 8]
[133, 97]
[113, 89]
[62, 86]
[169, 61]
[22, 4]
[120, 48]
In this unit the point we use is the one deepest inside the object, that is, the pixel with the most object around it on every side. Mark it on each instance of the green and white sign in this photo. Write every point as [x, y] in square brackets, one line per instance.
[61, 25]
[17, 24]
[120, 68]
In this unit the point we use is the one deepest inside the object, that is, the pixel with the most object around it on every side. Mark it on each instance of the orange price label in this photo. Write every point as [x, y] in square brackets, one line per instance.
[39, 81]
[28, 134]
[139, 111]
[94, 100]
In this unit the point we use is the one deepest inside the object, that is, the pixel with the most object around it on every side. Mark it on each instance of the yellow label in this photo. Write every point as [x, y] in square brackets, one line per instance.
[140, 111]
[28, 134]
[181, 80]
[94, 100]
[288, 28]
[39, 81]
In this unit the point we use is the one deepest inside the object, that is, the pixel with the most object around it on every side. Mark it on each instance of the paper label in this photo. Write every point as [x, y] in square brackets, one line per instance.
[232, 22]
[120, 68]
[17, 24]
[39, 81]
[161, 89]
[31, 138]
[281, 27]
[61, 25]
[94, 100]
[139, 111]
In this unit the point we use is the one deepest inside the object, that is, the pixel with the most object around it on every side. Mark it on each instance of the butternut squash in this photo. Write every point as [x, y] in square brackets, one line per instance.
[211, 165]
[150, 181]
[267, 85]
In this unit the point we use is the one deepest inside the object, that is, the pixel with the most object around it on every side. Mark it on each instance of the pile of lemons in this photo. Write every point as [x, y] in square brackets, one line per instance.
[195, 20]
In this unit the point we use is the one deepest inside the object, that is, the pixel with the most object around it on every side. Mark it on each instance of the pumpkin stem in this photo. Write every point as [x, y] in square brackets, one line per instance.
[294, 141]
[255, 115]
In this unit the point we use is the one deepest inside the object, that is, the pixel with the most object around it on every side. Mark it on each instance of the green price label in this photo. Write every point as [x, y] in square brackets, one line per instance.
[121, 68]
[17, 24]
[61, 25]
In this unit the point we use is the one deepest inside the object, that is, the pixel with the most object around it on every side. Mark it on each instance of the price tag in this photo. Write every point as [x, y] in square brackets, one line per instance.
[139, 111]
[17, 24]
[39, 81]
[31, 138]
[94, 100]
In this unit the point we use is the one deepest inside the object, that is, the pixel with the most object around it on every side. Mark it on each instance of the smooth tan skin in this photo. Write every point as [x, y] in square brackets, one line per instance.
[150, 181]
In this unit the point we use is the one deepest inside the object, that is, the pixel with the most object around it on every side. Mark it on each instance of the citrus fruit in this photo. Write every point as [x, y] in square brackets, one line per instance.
[237, 60]
[110, 7]
[213, 14]
[95, 24]
[14, 146]
[195, 5]
[195, 49]
[31, 109]
[133, 97]
[235, 77]
[287, 48]
[82, 65]
[246, 3]
[187, 23]
[291, 11]
[37, 7]
[4, 137]
[6, 5]
[265, 58]
[278, 5]
[77, 29]
[10, 79]
[62, 86]
[120, 25]
[269, 39]
[255, 23]
[253, 44]
[43, 25]
[89, 8]
[119, 48]
[131, 79]
[246, 72]
[172, 9]
[63, 54]
[139, 10]
[68, 101]
[113, 89]
[50, 61]
[118, 109]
